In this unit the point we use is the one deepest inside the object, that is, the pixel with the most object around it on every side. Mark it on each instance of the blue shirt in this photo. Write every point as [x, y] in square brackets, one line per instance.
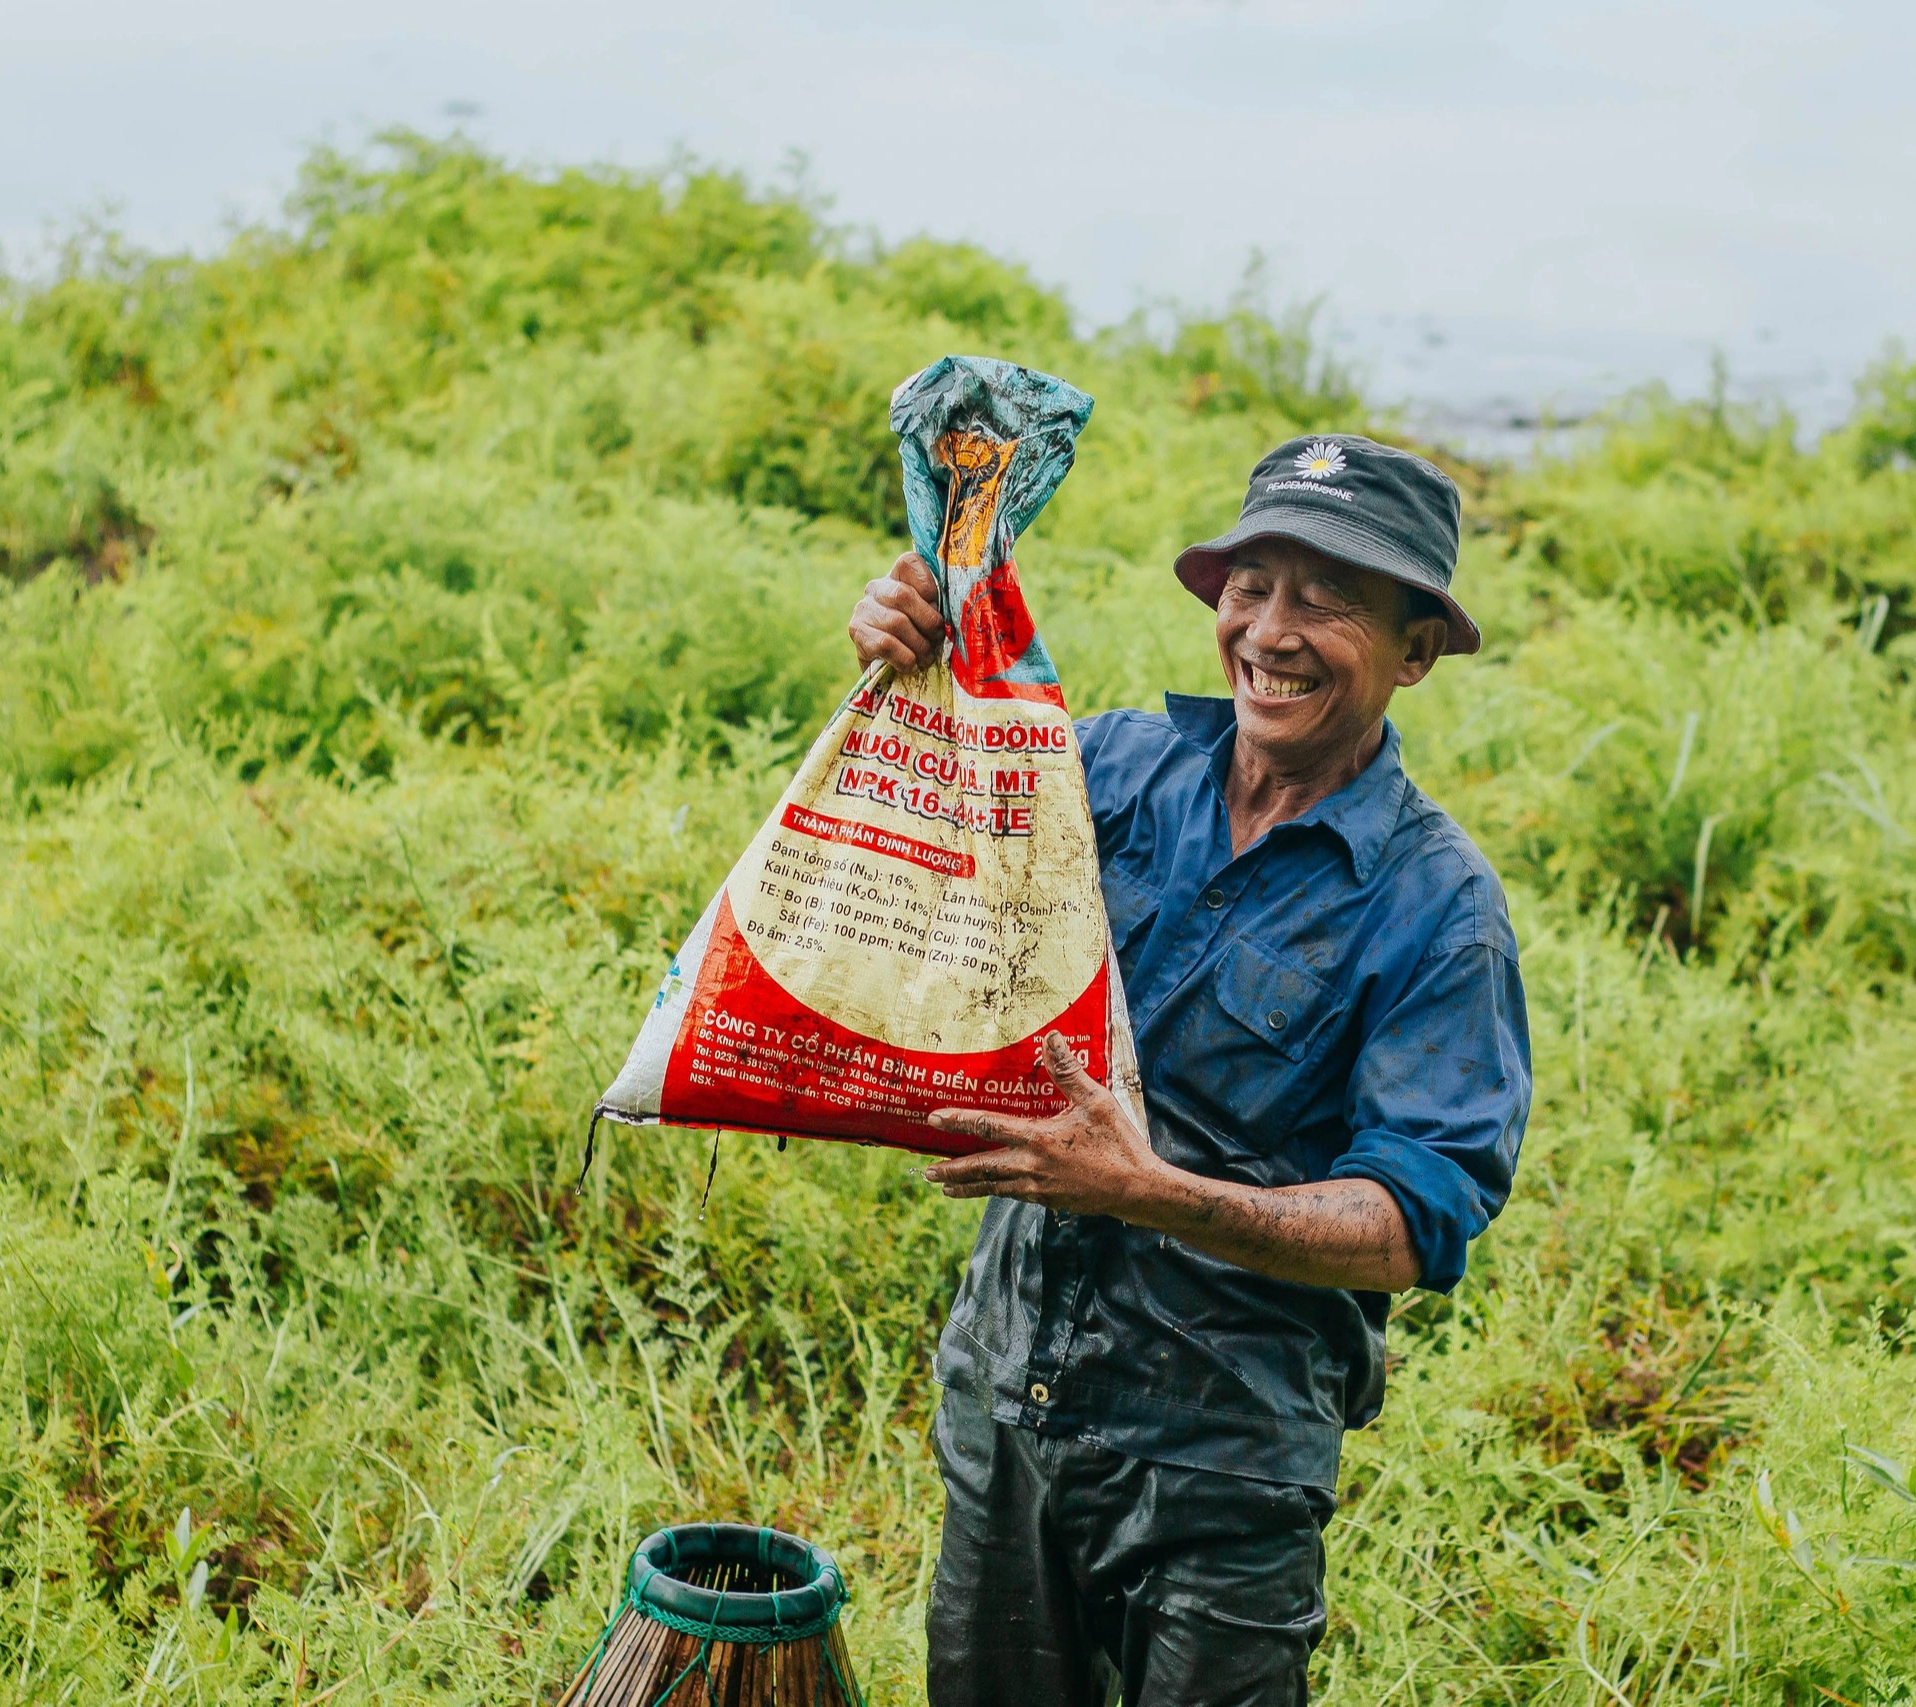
[1339, 1001]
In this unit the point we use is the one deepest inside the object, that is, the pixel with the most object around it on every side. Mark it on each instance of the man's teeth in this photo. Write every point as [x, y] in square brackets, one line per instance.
[1279, 687]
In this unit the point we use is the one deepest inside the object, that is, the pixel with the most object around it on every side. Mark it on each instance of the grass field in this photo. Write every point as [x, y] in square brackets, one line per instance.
[404, 618]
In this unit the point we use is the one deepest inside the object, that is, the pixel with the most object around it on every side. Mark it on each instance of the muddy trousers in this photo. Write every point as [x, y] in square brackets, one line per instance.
[1070, 1573]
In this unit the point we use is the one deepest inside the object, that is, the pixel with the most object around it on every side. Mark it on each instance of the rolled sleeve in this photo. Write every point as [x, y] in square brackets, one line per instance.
[1437, 1102]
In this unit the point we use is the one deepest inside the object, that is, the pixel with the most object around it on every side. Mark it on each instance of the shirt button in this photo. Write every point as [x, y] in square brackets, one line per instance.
[1214, 898]
[1276, 1019]
[1040, 1393]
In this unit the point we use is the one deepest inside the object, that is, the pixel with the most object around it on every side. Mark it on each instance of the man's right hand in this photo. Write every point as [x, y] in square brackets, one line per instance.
[897, 621]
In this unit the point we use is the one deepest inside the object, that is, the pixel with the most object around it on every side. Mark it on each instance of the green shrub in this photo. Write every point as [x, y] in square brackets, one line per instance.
[408, 613]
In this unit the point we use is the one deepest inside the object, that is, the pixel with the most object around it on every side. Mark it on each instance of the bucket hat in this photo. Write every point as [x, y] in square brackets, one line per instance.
[1351, 498]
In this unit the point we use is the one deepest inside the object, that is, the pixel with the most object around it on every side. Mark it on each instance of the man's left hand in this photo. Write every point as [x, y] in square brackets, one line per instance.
[1087, 1160]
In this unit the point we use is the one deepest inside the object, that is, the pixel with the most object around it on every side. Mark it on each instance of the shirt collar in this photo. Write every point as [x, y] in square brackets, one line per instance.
[1361, 815]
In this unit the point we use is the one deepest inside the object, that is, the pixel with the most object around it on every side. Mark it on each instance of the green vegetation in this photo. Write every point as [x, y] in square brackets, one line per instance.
[406, 615]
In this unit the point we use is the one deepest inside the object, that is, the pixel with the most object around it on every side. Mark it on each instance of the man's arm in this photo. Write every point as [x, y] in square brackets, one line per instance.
[1091, 1160]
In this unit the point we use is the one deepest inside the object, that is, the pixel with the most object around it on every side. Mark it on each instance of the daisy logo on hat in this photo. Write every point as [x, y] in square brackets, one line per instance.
[1321, 460]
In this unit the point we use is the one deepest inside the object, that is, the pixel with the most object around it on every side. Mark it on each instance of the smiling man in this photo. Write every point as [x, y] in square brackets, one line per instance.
[1162, 1336]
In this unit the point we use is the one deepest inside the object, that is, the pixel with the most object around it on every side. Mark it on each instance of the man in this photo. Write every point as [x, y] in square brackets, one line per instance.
[1161, 1338]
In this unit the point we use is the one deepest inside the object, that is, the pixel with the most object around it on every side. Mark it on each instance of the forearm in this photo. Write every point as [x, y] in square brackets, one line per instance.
[1347, 1233]
[1092, 1160]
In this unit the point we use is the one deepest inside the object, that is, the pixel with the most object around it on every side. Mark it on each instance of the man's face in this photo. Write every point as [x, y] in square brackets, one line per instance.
[1314, 648]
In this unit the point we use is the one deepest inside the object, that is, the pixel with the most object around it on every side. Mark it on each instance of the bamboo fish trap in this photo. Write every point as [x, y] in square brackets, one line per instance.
[722, 1615]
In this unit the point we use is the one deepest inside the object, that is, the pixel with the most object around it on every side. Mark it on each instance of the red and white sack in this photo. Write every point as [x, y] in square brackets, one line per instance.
[922, 906]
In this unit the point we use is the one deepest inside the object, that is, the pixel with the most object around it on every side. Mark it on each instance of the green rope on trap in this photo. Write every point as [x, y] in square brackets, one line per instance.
[846, 1687]
[753, 1635]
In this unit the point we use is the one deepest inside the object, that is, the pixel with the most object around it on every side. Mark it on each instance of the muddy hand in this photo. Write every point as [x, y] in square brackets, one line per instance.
[897, 621]
[1087, 1160]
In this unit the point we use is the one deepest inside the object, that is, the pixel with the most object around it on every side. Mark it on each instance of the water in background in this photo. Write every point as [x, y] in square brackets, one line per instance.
[1494, 388]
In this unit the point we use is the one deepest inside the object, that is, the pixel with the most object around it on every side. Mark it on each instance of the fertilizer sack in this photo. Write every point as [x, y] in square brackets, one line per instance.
[922, 906]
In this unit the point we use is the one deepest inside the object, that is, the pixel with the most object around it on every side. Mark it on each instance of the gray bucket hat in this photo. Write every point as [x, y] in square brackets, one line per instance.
[1358, 501]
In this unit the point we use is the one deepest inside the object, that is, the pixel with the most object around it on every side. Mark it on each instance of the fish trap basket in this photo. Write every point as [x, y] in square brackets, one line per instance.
[722, 1615]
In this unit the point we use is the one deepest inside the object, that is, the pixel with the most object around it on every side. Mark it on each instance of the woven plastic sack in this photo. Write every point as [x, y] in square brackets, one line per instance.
[922, 906]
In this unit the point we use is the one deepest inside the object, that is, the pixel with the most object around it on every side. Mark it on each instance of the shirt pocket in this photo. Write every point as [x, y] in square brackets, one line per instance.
[1130, 909]
[1258, 1044]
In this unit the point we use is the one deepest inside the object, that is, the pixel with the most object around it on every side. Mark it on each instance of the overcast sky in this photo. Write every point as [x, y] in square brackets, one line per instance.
[1503, 205]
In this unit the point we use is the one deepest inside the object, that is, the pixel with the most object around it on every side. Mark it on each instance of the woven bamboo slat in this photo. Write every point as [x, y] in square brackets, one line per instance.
[722, 1615]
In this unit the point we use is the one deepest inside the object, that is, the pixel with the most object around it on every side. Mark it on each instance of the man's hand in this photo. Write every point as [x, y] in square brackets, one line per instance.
[1087, 1160]
[897, 621]
[1090, 1160]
